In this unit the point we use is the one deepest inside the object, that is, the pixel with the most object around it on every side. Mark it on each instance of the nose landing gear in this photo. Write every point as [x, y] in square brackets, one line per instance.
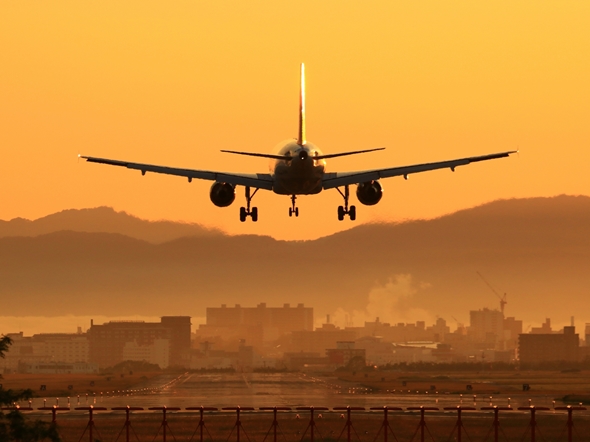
[345, 210]
[247, 211]
[293, 210]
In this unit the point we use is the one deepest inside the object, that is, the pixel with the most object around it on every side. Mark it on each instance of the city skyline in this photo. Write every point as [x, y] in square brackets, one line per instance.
[72, 324]
[245, 338]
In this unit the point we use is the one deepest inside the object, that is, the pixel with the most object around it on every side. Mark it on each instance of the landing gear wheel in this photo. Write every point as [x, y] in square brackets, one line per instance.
[245, 212]
[345, 210]
[293, 210]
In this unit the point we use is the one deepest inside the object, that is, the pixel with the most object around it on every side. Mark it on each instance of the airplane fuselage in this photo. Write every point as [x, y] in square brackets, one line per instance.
[302, 174]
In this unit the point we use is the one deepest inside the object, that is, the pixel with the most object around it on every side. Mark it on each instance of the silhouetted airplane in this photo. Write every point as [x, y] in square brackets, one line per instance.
[298, 169]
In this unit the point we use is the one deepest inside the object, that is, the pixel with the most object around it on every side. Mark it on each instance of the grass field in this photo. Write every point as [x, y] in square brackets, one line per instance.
[554, 383]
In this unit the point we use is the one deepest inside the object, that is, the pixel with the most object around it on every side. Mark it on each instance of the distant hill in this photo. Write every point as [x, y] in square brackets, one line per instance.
[103, 220]
[537, 250]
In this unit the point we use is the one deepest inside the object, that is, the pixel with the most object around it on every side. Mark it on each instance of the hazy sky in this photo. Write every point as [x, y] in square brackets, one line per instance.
[172, 83]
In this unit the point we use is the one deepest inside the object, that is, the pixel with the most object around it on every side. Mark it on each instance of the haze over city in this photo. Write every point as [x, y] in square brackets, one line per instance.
[97, 263]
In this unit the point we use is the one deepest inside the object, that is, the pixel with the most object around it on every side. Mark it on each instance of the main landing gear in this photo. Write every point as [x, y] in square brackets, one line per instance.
[343, 211]
[247, 211]
[293, 210]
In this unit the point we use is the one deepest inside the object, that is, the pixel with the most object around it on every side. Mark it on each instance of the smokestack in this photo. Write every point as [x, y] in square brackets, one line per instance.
[327, 319]
[572, 324]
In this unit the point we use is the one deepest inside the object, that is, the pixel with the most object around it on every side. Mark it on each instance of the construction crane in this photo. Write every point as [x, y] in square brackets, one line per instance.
[459, 324]
[503, 300]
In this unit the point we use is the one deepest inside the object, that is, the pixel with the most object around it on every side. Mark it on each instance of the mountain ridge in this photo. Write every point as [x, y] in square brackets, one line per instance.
[103, 220]
[537, 250]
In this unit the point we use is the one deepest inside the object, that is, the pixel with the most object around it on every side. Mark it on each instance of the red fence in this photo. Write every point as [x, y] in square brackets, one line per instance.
[312, 424]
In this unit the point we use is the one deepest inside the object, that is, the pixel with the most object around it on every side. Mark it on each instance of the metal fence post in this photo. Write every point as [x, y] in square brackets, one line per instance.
[238, 424]
[385, 425]
[90, 426]
[459, 423]
[164, 426]
[201, 426]
[127, 424]
[533, 421]
[496, 423]
[570, 420]
[275, 423]
[348, 426]
[311, 424]
[422, 424]
[54, 411]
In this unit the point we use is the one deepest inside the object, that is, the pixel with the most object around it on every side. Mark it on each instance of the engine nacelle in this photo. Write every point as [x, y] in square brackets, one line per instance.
[222, 194]
[369, 193]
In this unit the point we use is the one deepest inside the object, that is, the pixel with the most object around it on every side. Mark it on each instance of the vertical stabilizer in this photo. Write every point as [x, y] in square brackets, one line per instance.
[301, 136]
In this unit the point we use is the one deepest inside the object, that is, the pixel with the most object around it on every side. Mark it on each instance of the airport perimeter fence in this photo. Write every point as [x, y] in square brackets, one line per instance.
[310, 424]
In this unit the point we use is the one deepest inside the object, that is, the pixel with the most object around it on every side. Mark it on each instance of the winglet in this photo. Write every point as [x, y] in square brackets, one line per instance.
[301, 136]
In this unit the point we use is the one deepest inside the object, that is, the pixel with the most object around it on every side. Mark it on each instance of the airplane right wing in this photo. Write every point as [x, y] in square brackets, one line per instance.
[337, 179]
[258, 180]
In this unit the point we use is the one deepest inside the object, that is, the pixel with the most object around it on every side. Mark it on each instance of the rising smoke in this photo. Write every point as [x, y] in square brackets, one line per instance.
[392, 302]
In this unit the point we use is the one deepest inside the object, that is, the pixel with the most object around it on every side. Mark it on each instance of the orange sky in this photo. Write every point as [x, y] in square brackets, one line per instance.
[172, 83]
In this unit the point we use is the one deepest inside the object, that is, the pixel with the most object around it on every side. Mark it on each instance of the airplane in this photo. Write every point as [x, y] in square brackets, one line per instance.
[299, 168]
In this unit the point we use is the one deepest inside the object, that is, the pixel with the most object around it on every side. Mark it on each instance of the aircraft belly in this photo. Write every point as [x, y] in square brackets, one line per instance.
[296, 182]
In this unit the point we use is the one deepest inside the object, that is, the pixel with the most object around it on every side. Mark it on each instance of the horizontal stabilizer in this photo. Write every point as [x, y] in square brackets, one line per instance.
[343, 154]
[261, 155]
[288, 157]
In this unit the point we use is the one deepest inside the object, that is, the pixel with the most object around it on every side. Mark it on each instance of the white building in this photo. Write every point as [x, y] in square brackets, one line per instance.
[26, 351]
[156, 353]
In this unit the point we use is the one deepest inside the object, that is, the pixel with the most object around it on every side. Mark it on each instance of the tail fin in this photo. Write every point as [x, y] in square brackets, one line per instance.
[301, 136]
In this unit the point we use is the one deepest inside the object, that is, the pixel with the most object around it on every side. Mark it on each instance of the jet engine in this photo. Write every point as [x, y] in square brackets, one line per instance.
[369, 193]
[222, 194]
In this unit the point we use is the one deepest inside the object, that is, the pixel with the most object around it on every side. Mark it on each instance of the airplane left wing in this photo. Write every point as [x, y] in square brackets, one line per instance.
[258, 180]
[337, 179]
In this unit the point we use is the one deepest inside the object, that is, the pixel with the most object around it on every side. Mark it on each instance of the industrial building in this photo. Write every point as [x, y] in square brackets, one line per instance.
[115, 341]
[344, 353]
[258, 326]
[320, 339]
[281, 319]
[537, 348]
